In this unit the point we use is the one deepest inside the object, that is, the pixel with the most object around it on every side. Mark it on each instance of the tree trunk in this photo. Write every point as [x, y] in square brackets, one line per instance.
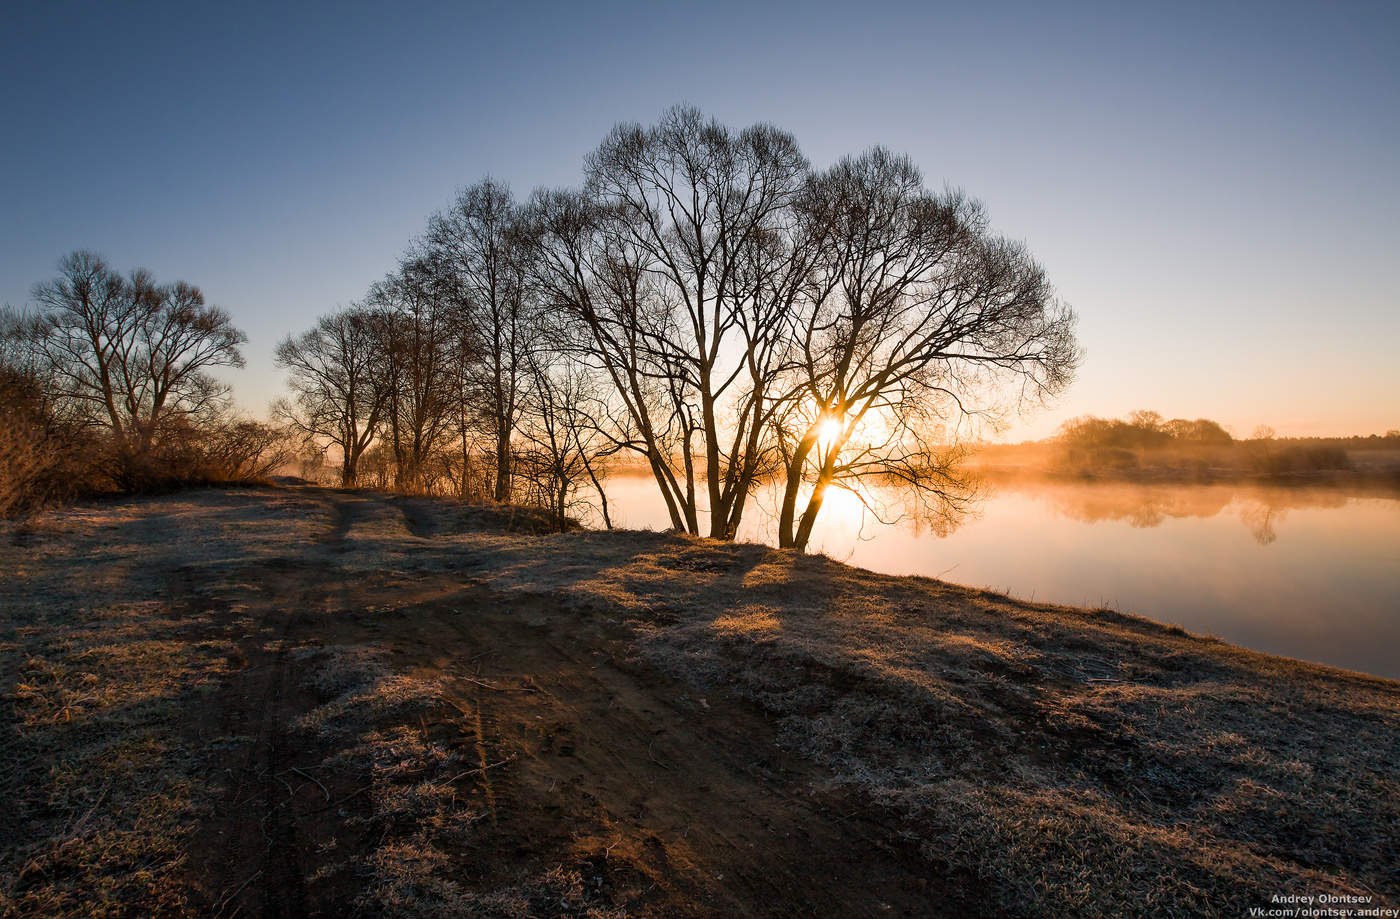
[598, 487]
[786, 537]
[503, 468]
[719, 507]
[658, 471]
[809, 516]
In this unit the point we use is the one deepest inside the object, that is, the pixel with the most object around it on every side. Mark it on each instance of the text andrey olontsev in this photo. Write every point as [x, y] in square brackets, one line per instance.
[1291, 905]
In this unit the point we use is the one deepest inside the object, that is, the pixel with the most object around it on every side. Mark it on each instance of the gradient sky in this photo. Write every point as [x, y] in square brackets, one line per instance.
[1215, 188]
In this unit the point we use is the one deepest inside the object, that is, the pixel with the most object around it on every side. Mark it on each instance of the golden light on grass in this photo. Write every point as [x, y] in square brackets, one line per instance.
[750, 622]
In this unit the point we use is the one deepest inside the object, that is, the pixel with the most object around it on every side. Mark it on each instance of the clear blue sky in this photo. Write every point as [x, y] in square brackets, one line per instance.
[1216, 188]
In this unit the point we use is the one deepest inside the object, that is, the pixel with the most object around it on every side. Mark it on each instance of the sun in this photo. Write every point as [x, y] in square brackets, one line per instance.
[829, 430]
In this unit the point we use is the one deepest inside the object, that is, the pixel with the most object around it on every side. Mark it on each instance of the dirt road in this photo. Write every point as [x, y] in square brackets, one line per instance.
[390, 738]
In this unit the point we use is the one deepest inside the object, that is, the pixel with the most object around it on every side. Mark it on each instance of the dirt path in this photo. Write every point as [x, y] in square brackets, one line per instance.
[570, 756]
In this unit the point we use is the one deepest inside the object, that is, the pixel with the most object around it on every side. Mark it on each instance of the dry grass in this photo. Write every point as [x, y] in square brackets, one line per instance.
[101, 786]
[103, 783]
[108, 770]
[378, 722]
[1059, 761]
[1071, 762]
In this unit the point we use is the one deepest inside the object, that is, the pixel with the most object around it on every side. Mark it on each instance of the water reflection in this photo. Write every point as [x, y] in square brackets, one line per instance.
[1260, 509]
[1305, 572]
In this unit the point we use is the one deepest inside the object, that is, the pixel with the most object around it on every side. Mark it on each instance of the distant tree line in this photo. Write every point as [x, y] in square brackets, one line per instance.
[1143, 429]
[707, 303]
[1146, 443]
[105, 386]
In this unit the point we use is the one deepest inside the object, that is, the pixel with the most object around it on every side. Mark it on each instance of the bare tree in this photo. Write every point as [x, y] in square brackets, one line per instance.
[128, 352]
[43, 455]
[16, 340]
[1199, 431]
[914, 318]
[564, 440]
[743, 317]
[669, 263]
[332, 373]
[587, 270]
[416, 326]
[478, 258]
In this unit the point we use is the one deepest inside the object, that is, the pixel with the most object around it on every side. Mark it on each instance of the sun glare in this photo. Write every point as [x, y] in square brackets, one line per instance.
[829, 430]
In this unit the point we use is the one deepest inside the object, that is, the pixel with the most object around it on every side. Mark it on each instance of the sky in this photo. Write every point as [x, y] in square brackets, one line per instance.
[1213, 188]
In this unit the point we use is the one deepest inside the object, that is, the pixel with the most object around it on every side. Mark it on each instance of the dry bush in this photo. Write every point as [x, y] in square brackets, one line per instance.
[243, 450]
[43, 459]
[1293, 460]
[46, 458]
[220, 450]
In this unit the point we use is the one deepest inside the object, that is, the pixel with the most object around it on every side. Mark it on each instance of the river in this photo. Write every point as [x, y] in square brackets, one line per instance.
[1311, 573]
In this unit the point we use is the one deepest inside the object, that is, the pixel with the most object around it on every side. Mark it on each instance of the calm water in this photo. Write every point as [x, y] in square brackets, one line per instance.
[1307, 573]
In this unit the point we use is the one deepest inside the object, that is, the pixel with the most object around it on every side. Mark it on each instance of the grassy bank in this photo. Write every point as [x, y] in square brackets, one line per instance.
[1074, 761]
[475, 720]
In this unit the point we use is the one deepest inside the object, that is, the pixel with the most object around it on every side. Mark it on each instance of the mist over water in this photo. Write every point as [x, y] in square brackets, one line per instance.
[1311, 573]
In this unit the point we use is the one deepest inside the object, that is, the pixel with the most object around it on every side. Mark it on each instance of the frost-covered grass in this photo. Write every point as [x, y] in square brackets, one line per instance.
[1070, 762]
[1059, 761]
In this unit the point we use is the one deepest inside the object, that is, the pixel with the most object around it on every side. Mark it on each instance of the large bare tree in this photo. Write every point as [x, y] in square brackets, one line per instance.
[418, 328]
[914, 318]
[128, 352]
[591, 275]
[695, 253]
[745, 318]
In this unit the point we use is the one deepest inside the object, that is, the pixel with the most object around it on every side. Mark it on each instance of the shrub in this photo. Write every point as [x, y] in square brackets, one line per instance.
[1099, 461]
[1295, 460]
[43, 458]
[218, 451]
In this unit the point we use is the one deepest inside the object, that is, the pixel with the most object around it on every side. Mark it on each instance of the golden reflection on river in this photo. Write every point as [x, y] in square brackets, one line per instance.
[1312, 573]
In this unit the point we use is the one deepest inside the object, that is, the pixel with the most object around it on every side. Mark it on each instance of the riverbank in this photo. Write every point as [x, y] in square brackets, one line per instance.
[1343, 462]
[314, 701]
